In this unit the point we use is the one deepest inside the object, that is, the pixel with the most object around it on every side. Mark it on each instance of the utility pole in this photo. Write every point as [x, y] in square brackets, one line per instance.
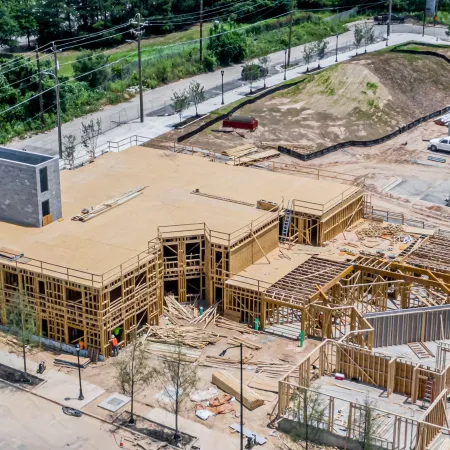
[388, 32]
[41, 101]
[58, 107]
[290, 32]
[201, 31]
[424, 17]
[141, 97]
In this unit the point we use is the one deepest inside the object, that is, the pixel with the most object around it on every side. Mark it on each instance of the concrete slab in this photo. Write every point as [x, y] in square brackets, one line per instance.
[114, 402]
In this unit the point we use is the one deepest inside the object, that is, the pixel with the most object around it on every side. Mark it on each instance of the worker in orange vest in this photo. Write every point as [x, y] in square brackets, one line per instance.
[114, 345]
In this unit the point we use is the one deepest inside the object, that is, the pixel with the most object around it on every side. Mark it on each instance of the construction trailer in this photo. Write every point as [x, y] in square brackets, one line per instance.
[143, 222]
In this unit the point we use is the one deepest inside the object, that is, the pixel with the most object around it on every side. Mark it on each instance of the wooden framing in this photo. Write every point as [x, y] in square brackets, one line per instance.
[378, 370]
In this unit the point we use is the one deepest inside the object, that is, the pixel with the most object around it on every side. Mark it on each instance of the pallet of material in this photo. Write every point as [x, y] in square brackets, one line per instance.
[171, 351]
[231, 385]
[239, 151]
[254, 157]
[71, 361]
[232, 325]
[186, 336]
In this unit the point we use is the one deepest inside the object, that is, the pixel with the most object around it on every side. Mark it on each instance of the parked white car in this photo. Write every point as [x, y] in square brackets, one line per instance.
[440, 144]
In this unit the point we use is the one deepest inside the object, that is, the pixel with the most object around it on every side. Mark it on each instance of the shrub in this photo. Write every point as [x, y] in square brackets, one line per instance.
[209, 63]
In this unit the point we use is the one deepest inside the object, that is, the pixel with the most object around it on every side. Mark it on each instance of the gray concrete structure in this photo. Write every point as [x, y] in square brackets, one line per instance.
[29, 187]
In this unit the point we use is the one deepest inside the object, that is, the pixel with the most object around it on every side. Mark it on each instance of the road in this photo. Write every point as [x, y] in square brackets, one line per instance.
[157, 101]
[29, 422]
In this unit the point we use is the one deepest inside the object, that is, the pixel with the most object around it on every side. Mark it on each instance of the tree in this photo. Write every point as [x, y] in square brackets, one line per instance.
[251, 73]
[358, 34]
[133, 372]
[264, 62]
[368, 35]
[89, 136]
[180, 102]
[89, 67]
[367, 424]
[320, 49]
[177, 379]
[196, 93]
[9, 29]
[227, 46]
[69, 148]
[24, 13]
[308, 52]
[22, 325]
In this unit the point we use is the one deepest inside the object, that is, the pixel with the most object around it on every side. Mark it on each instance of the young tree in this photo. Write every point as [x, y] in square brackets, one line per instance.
[196, 94]
[308, 52]
[68, 153]
[250, 73]
[22, 325]
[180, 102]
[367, 424]
[133, 372]
[358, 34]
[89, 136]
[368, 35]
[320, 49]
[177, 379]
[264, 62]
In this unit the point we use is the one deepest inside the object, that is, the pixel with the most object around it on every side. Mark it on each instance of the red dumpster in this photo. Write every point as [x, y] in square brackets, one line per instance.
[244, 122]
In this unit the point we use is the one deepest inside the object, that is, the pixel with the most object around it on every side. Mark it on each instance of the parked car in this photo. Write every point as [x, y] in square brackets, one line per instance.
[440, 144]
[384, 19]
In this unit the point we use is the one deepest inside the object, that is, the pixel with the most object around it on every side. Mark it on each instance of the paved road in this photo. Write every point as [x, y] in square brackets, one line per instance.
[157, 101]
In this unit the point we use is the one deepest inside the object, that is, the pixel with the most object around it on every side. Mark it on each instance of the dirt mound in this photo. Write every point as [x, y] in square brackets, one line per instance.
[364, 98]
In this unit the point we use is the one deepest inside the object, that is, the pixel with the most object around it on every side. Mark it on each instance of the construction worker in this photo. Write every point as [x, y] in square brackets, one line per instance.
[114, 345]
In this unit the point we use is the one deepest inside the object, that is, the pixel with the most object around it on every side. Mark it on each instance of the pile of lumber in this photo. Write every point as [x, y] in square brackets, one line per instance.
[231, 325]
[236, 340]
[71, 361]
[173, 352]
[188, 336]
[229, 363]
[231, 385]
[272, 369]
[240, 150]
[176, 313]
[208, 316]
[375, 230]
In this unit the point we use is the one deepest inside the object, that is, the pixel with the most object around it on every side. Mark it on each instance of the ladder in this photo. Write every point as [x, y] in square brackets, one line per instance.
[428, 396]
[286, 222]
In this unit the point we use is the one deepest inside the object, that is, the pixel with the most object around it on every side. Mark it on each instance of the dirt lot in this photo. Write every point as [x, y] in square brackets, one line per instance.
[364, 98]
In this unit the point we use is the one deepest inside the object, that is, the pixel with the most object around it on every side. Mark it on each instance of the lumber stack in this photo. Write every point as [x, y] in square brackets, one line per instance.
[229, 363]
[187, 336]
[71, 361]
[209, 315]
[173, 352]
[231, 386]
[176, 313]
[231, 325]
[236, 340]
[272, 369]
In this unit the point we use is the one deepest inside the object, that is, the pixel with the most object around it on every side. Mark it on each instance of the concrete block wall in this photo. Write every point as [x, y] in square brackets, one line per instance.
[20, 192]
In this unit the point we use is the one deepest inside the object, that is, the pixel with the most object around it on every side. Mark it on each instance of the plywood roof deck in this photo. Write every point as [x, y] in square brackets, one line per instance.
[118, 235]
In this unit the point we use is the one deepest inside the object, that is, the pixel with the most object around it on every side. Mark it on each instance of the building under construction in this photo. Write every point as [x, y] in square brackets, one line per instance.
[142, 222]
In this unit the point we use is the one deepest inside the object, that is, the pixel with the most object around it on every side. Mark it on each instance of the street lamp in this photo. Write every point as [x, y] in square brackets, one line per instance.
[77, 348]
[242, 389]
[222, 72]
[285, 63]
[337, 40]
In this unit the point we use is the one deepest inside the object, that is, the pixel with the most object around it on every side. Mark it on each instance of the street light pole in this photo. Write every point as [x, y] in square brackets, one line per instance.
[141, 98]
[285, 63]
[77, 347]
[337, 39]
[388, 31]
[291, 19]
[58, 106]
[222, 72]
[242, 389]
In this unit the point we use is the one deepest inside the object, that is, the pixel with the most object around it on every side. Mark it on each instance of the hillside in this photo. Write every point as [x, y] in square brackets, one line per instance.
[364, 98]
